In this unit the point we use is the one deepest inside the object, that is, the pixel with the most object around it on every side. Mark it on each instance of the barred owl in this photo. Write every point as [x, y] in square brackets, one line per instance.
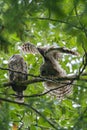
[17, 63]
[51, 67]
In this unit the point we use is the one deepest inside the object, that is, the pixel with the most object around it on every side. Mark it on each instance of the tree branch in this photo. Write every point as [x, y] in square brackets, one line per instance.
[55, 80]
[55, 20]
[83, 65]
[32, 108]
[1, 68]
[42, 94]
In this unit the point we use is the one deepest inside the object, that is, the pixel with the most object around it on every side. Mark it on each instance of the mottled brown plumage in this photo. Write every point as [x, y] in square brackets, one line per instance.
[51, 67]
[17, 63]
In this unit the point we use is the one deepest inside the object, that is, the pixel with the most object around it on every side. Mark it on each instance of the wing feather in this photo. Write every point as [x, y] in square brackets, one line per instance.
[29, 48]
[61, 50]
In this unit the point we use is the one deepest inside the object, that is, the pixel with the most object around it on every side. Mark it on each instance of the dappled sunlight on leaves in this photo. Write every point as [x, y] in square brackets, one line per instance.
[43, 22]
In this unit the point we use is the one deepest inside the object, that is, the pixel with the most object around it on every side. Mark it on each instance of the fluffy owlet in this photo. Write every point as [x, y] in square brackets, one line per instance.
[17, 63]
[51, 67]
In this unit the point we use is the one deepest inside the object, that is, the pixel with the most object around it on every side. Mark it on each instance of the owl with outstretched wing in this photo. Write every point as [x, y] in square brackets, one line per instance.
[17, 63]
[51, 67]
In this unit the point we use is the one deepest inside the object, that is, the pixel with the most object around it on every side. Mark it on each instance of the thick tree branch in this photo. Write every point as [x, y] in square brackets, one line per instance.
[36, 80]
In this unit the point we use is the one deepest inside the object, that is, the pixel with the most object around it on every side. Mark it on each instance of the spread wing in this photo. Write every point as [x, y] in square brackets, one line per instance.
[47, 50]
[61, 50]
[29, 48]
[51, 69]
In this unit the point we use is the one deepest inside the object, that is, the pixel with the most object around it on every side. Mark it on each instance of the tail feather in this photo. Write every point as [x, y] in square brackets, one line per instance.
[19, 97]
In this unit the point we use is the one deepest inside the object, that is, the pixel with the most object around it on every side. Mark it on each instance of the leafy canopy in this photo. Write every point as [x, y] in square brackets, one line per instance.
[54, 22]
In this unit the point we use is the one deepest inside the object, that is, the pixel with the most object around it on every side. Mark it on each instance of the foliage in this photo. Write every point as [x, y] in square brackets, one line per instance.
[42, 22]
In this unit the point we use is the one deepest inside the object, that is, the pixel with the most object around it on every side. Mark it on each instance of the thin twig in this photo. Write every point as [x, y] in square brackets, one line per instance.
[78, 18]
[83, 65]
[56, 88]
[42, 94]
[1, 68]
[84, 62]
[32, 108]
[56, 20]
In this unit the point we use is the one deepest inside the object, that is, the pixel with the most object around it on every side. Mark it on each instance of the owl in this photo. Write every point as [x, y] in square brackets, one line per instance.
[17, 63]
[51, 67]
